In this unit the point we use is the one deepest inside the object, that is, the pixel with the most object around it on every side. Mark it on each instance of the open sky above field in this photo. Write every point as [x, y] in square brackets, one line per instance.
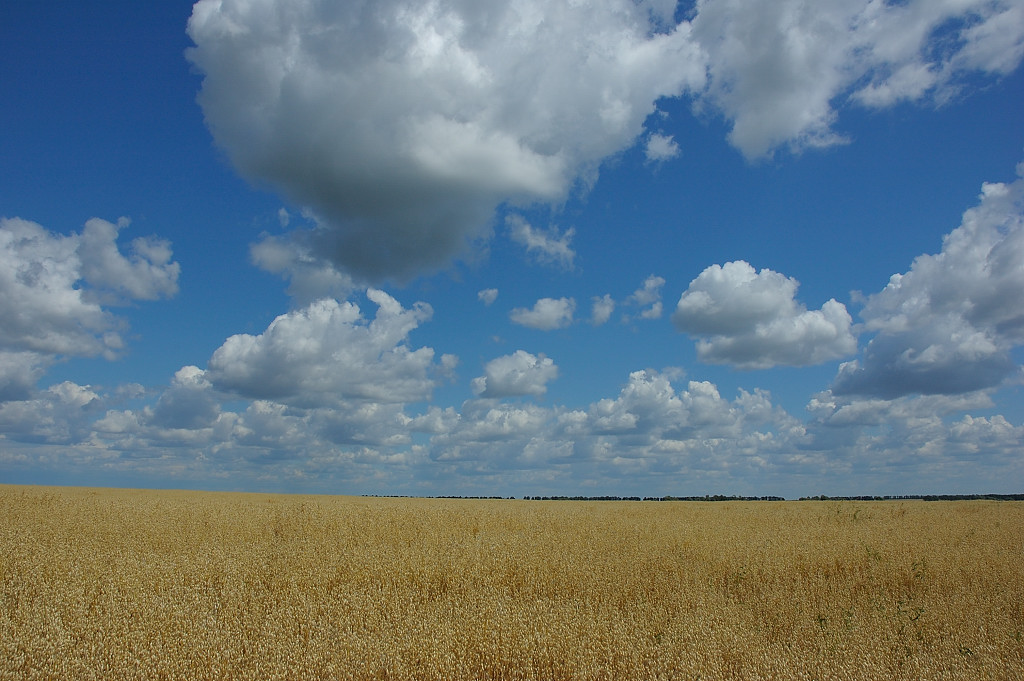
[616, 247]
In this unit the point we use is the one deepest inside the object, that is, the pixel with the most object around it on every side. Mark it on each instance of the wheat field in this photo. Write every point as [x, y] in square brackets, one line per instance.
[124, 584]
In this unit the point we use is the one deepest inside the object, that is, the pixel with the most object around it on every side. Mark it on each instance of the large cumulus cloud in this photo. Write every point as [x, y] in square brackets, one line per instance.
[752, 320]
[404, 124]
[949, 324]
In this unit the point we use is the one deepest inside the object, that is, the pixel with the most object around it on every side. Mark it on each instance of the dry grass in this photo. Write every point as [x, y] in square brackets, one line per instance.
[110, 584]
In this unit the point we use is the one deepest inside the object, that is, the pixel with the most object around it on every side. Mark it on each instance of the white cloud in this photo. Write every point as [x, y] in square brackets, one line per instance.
[187, 404]
[835, 410]
[404, 125]
[548, 247]
[310, 277]
[61, 414]
[648, 411]
[977, 433]
[926, 48]
[496, 433]
[777, 70]
[147, 273]
[660, 148]
[328, 352]
[648, 297]
[435, 420]
[19, 372]
[547, 314]
[948, 325]
[915, 442]
[363, 424]
[53, 289]
[650, 437]
[601, 309]
[752, 320]
[487, 296]
[186, 419]
[649, 430]
[520, 373]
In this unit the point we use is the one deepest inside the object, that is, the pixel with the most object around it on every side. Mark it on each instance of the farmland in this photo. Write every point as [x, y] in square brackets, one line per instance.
[127, 584]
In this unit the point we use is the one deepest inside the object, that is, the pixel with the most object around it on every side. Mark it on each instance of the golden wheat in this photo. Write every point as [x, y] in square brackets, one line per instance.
[118, 584]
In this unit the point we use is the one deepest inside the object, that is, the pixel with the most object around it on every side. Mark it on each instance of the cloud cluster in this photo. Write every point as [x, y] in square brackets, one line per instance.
[55, 289]
[778, 70]
[929, 435]
[651, 437]
[752, 320]
[403, 127]
[647, 298]
[948, 325]
[649, 429]
[62, 414]
[404, 124]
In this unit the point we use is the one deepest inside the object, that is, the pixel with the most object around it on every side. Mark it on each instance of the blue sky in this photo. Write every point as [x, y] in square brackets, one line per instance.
[727, 247]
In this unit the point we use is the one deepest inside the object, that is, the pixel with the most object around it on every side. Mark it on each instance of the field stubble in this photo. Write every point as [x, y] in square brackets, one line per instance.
[122, 584]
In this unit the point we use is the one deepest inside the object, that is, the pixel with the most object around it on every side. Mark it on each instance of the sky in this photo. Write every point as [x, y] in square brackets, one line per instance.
[621, 247]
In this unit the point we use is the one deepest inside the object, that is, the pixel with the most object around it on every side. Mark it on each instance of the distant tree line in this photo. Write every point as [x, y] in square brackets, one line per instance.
[924, 497]
[706, 497]
[455, 497]
[722, 497]
[420, 496]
